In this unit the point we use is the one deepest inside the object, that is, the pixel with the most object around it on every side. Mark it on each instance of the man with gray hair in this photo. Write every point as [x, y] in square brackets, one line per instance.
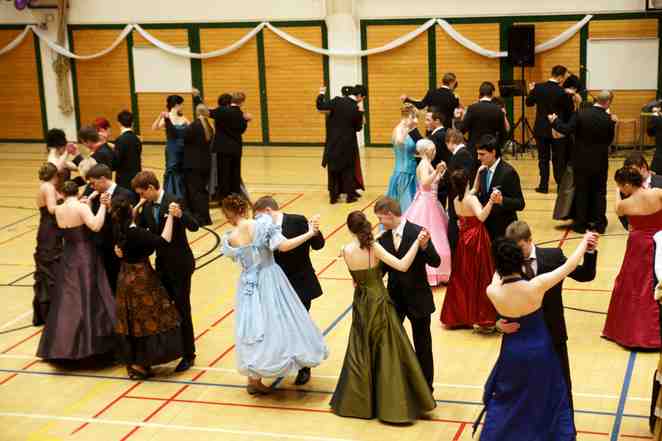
[594, 129]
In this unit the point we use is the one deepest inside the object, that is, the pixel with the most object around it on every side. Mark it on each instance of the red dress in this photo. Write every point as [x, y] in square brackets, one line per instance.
[466, 301]
[633, 319]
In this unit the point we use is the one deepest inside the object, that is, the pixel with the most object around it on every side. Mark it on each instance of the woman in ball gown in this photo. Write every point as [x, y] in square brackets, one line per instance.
[147, 321]
[49, 244]
[175, 124]
[81, 319]
[275, 336]
[465, 303]
[402, 184]
[525, 396]
[635, 282]
[381, 376]
[427, 212]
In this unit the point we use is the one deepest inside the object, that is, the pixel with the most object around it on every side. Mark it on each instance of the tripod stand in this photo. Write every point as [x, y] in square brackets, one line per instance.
[522, 122]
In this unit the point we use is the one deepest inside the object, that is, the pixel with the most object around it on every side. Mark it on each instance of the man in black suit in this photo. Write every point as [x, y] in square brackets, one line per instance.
[483, 118]
[296, 263]
[99, 150]
[100, 179]
[436, 132]
[344, 120]
[549, 97]
[174, 263]
[442, 100]
[127, 161]
[460, 158]
[230, 124]
[544, 260]
[594, 129]
[500, 177]
[638, 161]
[410, 291]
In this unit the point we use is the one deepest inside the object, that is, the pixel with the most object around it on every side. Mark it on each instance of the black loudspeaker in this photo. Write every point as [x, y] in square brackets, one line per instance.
[521, 45]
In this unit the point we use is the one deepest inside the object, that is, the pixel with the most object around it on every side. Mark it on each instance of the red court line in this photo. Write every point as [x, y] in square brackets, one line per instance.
[29, 365]
[335, 278]
[458, 434]
[565, 237]
[21, 342]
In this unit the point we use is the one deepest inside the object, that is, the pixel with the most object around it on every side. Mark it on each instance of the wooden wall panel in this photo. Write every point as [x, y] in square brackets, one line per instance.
[20, 89]
[237, 71]
[103, 83]
[293, 79]
[404, 70]
[470, 68]
[567, 54]
[627, 103]
[150, 105]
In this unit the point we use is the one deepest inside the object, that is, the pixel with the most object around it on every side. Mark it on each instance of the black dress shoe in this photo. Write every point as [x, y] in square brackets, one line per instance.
[352, 199]
[333, 201]
[542, 190]
[185, 364]
[303, 377]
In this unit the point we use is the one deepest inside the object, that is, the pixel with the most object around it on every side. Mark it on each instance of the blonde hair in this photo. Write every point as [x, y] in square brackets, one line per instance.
[202, 112]
[400, 132]
[424, 147]
[86, 165]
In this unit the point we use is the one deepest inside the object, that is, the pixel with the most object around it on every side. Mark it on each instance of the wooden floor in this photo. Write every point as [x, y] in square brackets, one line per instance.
[40, 402]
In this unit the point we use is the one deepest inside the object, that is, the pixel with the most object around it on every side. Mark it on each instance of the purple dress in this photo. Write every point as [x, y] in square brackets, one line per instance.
[46, 258]
[82, 315]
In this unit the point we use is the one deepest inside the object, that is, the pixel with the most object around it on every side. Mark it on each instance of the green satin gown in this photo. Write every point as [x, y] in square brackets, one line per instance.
[381, 377]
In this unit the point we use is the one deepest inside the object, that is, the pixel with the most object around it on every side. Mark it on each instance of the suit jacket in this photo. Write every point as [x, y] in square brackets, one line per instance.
[410, 291]
[127, 161]
[442, 153]
[656, 182]
[296, 263]
[443, 99]
[176, 257]
[462, 159]
[104, 237]
[197, 150]
[506, 178]
[342, 123]
[103, 155]
[548, 259]
[483, 118]
[549, 97]
[230, 125]
[594, 133]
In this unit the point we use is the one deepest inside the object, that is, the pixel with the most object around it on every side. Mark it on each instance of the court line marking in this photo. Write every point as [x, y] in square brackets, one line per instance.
[624, 392]
[17, 222]
[170, 426]
[16, 320]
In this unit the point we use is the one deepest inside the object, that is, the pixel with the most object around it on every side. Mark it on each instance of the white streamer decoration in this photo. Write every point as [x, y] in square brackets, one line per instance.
[454, 34]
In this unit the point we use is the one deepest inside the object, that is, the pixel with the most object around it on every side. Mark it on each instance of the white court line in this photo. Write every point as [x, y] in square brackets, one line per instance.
[167, 426]
[16, 320]
[334, 377]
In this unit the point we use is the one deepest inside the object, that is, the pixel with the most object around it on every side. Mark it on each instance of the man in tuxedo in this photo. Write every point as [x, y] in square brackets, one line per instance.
[230, 125]
[483, 118]
[638, 161]
[127, 161]
[436, 132]
[501, 178]
[410, 291]
[99, 149]
[460, 158]
[296, 263]
[442, 100]
[594, 129]
[537, 261]
[174, 263]
[100, 179]
[344, 120]
[549, 98]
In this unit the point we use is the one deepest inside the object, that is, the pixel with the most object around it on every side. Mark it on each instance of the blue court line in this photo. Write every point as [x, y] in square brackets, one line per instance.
[624, 393]
[238, 386]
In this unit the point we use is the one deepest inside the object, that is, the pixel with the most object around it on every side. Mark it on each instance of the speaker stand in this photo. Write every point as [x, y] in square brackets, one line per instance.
[523, 124]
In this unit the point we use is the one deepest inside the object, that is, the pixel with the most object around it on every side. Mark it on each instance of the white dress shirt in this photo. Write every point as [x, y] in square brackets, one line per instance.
[397, 234]
[534, 261]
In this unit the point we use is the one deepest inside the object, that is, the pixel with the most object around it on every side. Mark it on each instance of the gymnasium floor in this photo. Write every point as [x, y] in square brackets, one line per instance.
[40, 402]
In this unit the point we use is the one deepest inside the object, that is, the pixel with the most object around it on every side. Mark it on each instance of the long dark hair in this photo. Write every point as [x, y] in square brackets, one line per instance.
[361, 227]
[121, 214]
[459, 180]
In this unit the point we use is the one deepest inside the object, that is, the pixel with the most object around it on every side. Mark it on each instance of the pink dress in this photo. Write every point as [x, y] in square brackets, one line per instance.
[426, 211]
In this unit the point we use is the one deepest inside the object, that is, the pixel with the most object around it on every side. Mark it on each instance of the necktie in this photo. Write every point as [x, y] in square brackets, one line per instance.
[155, 211]
[528, 269]
[397, 239]
[488, 178]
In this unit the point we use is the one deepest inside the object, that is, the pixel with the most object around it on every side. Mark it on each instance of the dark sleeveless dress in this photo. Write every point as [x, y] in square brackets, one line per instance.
[633, 289]
[82, 315]
[46, 258]
[525, 395]
[381, 377]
